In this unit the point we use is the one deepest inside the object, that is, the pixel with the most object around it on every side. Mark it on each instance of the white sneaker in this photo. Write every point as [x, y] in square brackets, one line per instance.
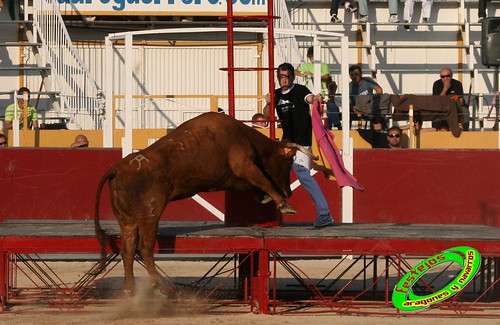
[393, 19]
[363, 19]
[335, 19]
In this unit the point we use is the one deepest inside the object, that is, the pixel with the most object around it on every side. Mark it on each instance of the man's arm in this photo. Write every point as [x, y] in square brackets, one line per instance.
[9, 116]
[446, 86]
[302, 71]
[311, 98]
[378, 89]
[265, 110]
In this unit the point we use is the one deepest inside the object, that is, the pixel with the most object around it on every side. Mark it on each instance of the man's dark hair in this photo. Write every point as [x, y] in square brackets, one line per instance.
[395, 128]
[310, 52]
[286, 67]
[3, 136]
[355, 67]
[378, 119]
[24, 90]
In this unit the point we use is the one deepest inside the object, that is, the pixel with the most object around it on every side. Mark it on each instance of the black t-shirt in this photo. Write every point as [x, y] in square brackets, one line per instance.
[293, 111]
[456, 88]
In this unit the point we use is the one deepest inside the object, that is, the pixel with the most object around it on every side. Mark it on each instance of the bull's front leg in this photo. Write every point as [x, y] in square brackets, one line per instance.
[249, 171]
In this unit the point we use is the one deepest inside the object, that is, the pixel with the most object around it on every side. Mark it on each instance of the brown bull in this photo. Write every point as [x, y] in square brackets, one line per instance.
[211, 152]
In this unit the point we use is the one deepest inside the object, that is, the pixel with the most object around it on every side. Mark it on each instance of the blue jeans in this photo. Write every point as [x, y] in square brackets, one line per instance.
[363, 7]
[302, 168]
[332, 115]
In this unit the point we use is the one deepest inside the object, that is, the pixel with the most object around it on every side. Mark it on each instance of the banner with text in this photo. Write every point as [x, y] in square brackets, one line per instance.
[160, 7]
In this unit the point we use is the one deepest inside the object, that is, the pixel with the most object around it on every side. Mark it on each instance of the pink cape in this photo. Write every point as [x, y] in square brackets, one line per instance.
[330, 150]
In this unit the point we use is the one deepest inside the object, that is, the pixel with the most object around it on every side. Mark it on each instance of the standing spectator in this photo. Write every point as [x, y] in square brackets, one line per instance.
[292, 106]
[377, 135]
[393, 11]
[332, 109]
[22, 102]
[360, 85]
[259, 121]
[3, 141]
[481, 12]
[408, 11]
[334, 10]
[446, 86]
[81, 141]
[394, 135]
[379, 132]
[307, 70]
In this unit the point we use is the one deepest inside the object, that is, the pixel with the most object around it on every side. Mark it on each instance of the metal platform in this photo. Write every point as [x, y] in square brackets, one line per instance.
[202, 237]
[264, 249]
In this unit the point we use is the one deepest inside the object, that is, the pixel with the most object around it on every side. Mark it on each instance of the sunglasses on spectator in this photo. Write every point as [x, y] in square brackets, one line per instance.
[394, 135]
[446, 76]
[3, 143]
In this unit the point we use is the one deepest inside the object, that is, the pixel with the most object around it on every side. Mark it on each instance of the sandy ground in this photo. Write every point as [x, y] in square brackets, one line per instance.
[190, 308]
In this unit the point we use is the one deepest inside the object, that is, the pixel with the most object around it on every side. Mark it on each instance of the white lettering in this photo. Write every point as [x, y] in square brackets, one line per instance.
[159, 7]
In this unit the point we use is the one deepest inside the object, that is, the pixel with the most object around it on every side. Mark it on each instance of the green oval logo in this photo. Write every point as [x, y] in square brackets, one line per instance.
[467, 257]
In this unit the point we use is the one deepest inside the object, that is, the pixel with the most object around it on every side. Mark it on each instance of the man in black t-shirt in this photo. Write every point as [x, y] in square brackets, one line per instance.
[446, 86]
[292, 106]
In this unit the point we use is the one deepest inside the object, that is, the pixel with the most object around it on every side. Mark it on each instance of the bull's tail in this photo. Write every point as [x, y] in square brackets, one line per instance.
[100, 233]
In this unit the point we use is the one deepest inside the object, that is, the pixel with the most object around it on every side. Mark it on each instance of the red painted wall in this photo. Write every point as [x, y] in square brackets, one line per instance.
[53, 183]
[401, 186]
[428, 186]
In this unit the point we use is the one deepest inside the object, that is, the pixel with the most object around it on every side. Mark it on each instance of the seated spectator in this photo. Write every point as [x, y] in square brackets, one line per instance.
[408, 11]
[394, 135]
[393, 11]
[332, 110]
[446, 86]
[307, 70]
[259, 121]
[23, 95]
[334, 10]
[481, 12]
[81, 141]
[3, 141]
[360, 85]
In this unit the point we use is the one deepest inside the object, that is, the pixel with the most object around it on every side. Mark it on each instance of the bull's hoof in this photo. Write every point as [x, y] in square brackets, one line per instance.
[128, 293]
[287, 209]
[266, 199]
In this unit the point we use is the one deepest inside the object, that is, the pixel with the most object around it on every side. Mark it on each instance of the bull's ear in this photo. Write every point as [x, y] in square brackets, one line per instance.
[289, 151]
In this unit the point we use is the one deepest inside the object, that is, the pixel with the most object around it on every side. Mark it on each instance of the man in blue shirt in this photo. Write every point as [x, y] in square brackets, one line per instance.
[360, 85]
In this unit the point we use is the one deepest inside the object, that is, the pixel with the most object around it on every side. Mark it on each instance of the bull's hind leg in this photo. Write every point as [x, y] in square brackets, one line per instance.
[148, 235]
[127, 251]
[146, 249]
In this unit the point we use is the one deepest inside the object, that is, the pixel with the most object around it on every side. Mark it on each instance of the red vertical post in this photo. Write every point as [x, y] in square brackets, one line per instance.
[4, 278]
[230, 59]
[260, 283]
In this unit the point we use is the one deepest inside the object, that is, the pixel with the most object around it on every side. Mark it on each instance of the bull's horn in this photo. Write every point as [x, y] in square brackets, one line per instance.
[302, 149]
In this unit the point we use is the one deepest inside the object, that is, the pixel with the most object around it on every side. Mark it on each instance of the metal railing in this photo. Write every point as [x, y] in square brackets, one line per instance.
[287, 47]
[81, 98]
